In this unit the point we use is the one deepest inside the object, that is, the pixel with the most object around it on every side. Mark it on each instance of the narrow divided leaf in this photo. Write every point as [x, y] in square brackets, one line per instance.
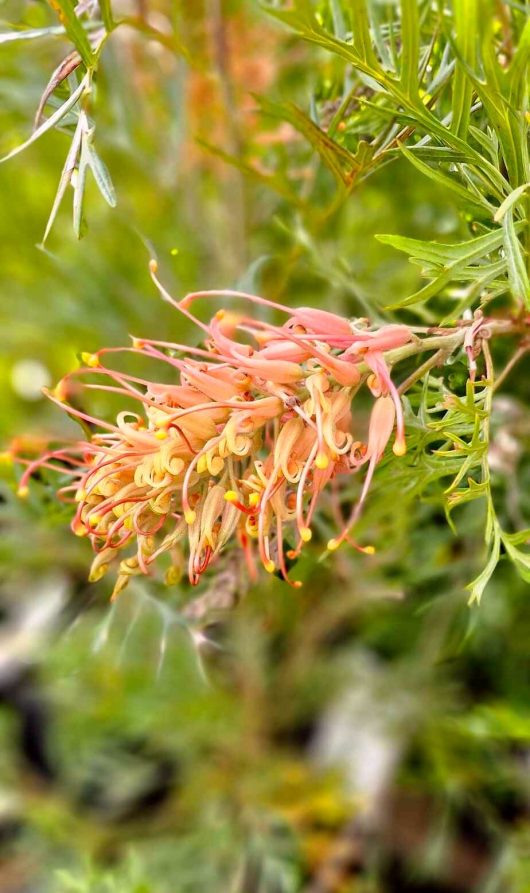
[66, 11]
[66, 177]
[341, 162]
[50, 122]
[30, 34]
[80, 180]
[511, 200]
[362, 40]
[101, 174]
[410, 47]
[478, 585]
[517, 272]
[466, 23]
[106, 15]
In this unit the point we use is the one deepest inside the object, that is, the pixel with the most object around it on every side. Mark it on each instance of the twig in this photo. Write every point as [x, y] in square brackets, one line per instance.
[436, 360]
[519, 353]
[452, 340]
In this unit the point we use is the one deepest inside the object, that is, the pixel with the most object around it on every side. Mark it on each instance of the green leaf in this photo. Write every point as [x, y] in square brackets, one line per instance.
[447, 182]
[517, 77]
[466, 24]
[310, 29]
[517, 272]
[517, 538]
[339, 24]
[101, 174]
[478, 585]
[29, 34]
[520, 559]
[488, 142]
[80, 180]
[454, 259]
[106, 15]
[65, 179]
[50, 122]
[447, 252]
[436, 154]
[494, 95]
[66, 12]
[341, 162]
[295, 18]
[508, 202]
[362, 40]
[379, 39]
[410, 47]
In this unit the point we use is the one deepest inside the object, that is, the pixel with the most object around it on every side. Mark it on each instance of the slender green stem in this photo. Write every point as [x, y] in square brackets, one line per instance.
[437, 359]
[519, 353]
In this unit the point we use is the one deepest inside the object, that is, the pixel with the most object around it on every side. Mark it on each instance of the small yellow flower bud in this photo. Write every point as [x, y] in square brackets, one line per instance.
[121, 583]
[270, 567]
[253, 500]
[161, 434]
[97, 573]
[23, 492]
[190, 516]
[305, 534]
[231, 496]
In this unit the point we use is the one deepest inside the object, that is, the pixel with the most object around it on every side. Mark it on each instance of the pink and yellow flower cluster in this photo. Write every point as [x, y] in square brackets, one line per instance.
[240, 446]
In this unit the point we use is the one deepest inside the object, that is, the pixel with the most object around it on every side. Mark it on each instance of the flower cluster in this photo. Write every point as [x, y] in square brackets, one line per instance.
[241, 446]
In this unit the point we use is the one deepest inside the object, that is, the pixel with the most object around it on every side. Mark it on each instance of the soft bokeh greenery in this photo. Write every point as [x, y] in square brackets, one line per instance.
[249, 809]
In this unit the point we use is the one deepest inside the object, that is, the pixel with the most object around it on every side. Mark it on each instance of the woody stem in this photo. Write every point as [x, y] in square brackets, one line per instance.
[451, 341]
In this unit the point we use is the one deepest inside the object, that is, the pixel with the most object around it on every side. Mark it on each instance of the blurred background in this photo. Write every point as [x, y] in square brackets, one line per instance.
[369, 732]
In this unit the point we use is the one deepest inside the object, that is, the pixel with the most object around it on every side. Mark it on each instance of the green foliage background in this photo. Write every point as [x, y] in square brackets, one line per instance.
[236, 718]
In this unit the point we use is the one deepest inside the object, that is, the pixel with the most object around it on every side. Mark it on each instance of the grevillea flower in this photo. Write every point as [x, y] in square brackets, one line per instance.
[238, 446]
